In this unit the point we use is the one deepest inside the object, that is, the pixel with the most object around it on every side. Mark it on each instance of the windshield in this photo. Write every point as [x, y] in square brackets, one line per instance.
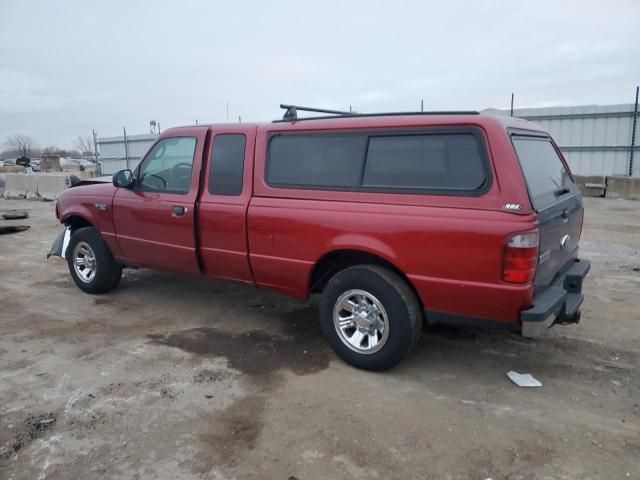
[546, 176]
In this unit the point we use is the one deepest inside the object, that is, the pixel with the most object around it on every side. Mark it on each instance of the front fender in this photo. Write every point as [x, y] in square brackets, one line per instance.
[80, 211]
[96, 214]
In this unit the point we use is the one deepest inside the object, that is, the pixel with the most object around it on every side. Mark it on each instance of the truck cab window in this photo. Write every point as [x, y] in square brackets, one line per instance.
[227, 164]
[167, 167]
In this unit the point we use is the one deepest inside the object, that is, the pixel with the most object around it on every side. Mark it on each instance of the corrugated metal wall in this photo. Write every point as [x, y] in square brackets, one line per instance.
[595, 139]
[113, 154]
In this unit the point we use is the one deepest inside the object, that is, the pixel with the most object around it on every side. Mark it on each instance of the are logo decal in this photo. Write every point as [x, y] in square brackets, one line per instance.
[512, 206]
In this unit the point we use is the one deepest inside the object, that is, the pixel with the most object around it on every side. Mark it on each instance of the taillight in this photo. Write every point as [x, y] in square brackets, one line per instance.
[520, 257]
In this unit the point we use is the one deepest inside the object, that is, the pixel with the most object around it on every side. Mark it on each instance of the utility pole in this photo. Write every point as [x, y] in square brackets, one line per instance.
[227, 111]
[633, 132]
[126, 147]
[422, 105]
[512, 104]
[95, 145]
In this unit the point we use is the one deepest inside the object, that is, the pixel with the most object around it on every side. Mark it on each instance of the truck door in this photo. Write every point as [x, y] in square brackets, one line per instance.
[222, 209]
[154, 220]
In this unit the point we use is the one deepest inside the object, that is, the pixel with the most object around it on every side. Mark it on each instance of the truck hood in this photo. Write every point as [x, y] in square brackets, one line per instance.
[94, 187]
[76, 182]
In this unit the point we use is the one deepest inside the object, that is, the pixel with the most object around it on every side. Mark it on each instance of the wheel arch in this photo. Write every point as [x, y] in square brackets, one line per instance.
[76, 221]
[336, 260]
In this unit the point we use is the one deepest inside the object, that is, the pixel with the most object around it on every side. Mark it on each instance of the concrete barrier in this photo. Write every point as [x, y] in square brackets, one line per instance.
[88, 174]
[70, 167]
[34, 187]
[12, 169]
[627, 188]
[50, 186]
[591, 185]
[20, 185]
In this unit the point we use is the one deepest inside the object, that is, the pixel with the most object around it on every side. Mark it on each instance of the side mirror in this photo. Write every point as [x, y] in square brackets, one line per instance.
[123, 179]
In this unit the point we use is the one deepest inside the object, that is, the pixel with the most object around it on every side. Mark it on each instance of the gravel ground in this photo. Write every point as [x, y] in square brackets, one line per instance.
[176, 377]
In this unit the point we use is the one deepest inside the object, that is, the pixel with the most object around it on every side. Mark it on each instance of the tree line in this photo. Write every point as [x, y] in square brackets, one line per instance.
[19, 145]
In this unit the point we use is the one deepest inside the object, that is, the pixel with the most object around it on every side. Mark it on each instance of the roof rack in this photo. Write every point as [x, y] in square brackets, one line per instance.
[291, 113]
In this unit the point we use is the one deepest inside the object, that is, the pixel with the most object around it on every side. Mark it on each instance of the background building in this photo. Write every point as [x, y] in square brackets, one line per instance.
[595, 139]
[115, 155]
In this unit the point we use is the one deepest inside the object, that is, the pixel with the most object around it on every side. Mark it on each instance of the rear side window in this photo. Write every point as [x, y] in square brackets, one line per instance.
[320, 160]
[227, 164]
[546, 176]
[397, 162]
[449, 162]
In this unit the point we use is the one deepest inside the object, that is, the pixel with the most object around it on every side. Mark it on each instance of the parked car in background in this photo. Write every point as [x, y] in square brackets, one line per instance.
[35, 164]
[395, 220]
[86, 162]
[64, 162]
[72, 163]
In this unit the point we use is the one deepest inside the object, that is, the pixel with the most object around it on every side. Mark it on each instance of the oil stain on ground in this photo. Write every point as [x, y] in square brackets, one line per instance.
[300, 348]
[232, 434]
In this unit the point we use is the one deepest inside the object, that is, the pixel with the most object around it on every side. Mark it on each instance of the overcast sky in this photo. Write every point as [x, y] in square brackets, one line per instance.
[67, 67]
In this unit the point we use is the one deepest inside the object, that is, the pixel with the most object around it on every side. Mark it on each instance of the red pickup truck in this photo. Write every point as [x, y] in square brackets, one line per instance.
[394, 219]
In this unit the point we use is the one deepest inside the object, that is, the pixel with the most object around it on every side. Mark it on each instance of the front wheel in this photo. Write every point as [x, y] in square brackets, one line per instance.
[91, 264]
[370, 317]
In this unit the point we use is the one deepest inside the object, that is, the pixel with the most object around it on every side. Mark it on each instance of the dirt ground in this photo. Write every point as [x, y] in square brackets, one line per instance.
[173, 377]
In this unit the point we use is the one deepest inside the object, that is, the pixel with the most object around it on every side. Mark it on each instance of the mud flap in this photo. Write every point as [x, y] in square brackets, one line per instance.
[60, 244]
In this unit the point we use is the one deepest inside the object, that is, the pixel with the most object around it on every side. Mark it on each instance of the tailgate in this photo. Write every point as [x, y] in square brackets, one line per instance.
[557, 200]
[560, 228]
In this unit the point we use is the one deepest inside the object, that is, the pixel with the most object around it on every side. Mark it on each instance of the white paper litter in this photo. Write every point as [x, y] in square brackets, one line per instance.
[523, 379]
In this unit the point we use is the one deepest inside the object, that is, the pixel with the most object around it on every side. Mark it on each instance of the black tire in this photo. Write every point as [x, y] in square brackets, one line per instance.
[404, 315]
[107, 271]
[117, 275]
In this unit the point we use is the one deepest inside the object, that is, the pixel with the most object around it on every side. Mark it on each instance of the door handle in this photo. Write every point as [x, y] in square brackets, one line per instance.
[178, 211]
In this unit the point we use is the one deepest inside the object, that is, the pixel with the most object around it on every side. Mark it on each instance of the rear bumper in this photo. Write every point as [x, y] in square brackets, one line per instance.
[558, 303]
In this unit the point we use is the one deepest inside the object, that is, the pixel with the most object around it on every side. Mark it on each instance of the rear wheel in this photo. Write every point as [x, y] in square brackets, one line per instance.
[91, 264]
[370, 317]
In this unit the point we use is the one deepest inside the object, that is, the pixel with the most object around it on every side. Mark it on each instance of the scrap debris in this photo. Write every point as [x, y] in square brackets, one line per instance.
[523, 379]
[13, 228]
[15, 215]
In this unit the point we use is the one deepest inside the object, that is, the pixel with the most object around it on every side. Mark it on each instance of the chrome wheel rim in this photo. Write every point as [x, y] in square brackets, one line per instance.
[84, 262]
[361, 321]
